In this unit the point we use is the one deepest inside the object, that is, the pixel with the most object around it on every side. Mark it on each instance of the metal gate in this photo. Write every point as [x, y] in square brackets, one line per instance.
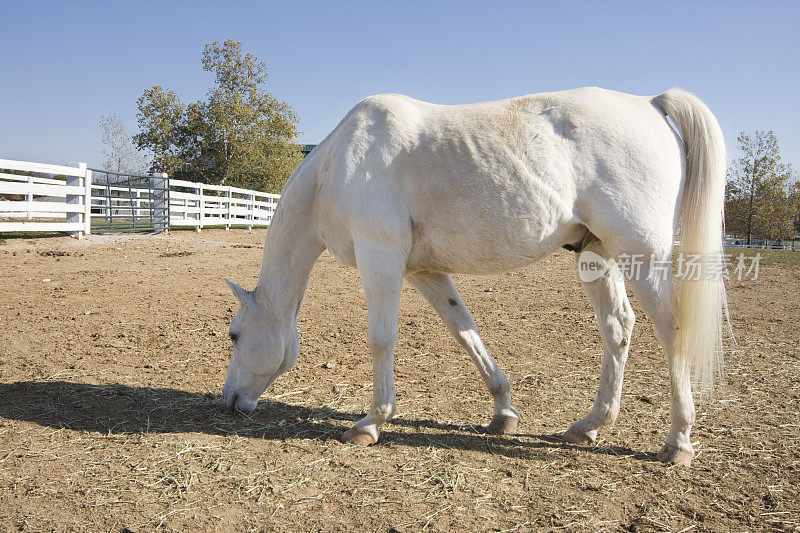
[129, 202]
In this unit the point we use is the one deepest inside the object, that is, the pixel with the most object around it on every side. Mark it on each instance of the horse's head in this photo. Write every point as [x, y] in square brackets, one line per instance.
[264, 347]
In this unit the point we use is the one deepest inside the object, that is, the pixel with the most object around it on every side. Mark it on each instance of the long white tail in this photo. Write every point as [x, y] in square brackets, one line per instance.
[699, 304]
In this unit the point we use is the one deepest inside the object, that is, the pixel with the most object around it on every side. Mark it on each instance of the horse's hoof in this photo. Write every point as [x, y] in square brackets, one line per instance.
[577, 436]
[503, 425]
[359, 436]
[675, 455]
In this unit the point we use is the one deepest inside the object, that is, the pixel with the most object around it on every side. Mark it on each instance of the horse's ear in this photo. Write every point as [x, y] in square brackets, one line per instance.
[242, 294]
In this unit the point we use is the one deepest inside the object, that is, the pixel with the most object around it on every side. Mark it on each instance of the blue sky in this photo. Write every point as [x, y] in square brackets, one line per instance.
[63, 64]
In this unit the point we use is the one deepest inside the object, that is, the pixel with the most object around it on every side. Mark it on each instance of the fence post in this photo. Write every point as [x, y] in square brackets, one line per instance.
[29, 198]
[252, 209]
[75, 181]
[201, 203]
[87, 218]
[167, 202]
[228, 213]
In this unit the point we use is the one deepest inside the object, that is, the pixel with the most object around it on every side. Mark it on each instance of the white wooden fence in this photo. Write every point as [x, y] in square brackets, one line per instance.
[199, 205]
[55, 198]
[60, 199]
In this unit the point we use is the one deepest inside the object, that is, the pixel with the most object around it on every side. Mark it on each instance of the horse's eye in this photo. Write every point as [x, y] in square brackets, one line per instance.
[233, 336]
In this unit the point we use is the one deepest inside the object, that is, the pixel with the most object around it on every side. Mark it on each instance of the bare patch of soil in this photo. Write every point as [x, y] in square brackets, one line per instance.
[113, 351]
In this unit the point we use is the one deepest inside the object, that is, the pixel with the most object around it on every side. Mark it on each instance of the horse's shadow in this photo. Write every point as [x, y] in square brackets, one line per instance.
[122, 409]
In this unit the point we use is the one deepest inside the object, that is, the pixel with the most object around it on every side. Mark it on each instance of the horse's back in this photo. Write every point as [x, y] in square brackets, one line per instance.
[485, 187]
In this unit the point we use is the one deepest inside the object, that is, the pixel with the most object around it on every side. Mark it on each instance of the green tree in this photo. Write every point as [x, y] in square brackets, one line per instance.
[238, 135]
[162, 129]
[794, 202]
[758, 199]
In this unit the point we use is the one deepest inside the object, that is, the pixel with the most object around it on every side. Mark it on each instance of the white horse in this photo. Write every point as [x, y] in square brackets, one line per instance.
[407, 189]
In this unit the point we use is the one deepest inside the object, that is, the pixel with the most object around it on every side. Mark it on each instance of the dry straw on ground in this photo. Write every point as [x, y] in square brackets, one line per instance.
[110, 420]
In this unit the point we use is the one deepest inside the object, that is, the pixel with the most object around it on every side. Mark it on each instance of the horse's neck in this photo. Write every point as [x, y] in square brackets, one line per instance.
[290, 251]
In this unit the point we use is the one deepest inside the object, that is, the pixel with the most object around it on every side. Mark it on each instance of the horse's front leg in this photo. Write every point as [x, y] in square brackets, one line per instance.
[381, 269]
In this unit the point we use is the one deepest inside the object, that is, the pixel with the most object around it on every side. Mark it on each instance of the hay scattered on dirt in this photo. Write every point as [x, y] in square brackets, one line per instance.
[110, 415]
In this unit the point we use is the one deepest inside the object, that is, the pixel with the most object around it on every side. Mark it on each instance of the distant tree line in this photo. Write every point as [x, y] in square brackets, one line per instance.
[762, 196]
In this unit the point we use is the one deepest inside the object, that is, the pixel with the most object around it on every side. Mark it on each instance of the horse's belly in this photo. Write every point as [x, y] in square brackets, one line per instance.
[475, 256]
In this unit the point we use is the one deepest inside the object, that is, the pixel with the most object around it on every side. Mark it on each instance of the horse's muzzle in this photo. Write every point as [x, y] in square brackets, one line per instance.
[230, 401]
[233, 401]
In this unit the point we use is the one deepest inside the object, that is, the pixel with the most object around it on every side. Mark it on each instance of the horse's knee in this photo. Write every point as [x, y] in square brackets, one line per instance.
[382, 344]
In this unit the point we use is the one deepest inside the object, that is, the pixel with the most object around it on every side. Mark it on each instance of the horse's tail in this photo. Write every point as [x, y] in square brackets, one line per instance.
[700, 300]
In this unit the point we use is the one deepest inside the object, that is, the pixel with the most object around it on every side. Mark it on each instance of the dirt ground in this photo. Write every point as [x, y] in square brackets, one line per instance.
[113, 352]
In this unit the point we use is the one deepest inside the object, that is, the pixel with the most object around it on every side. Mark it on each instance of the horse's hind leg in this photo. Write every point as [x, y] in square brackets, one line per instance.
[653, 291]
[440, 292]
[655, 295]
[615, 318]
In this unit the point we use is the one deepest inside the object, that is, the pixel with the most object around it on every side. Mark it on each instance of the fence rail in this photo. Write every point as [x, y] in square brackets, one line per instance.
[793, 245]
[75, 199]
[42, 197]
[199, 205]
